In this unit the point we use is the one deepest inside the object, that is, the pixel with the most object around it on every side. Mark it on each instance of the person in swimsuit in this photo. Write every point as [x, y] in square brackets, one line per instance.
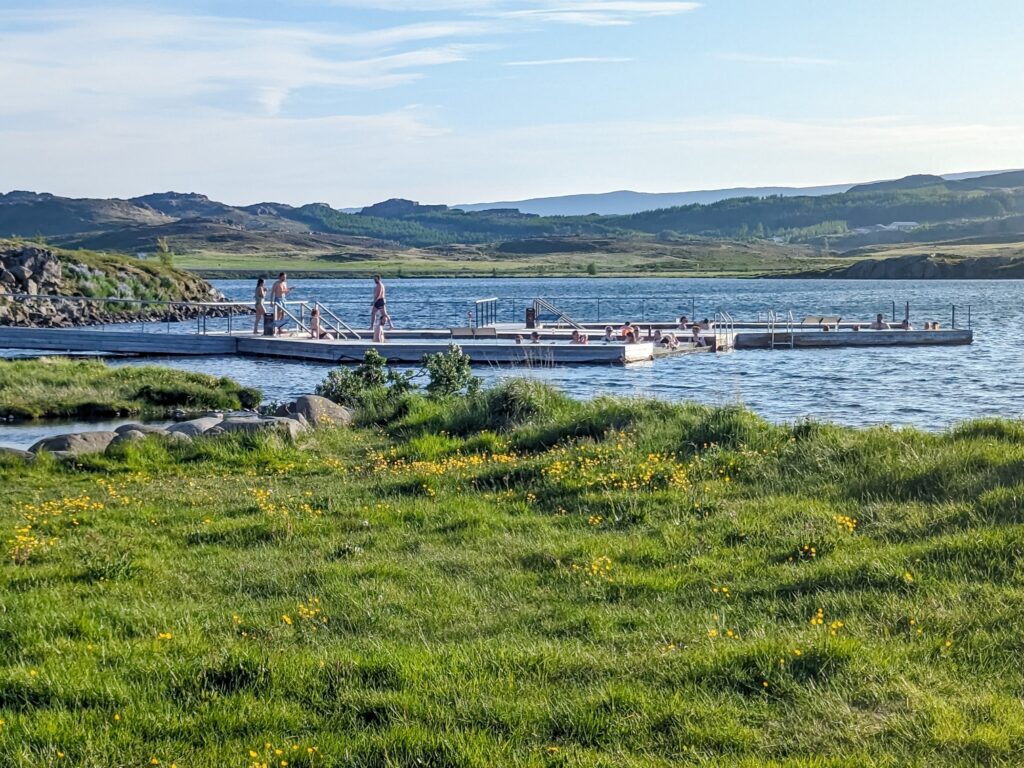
[380, 304]
[261, 294]
[316, 330]
[278, 291]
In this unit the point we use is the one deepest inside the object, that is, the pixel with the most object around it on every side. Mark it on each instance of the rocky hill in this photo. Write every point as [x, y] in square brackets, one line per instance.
[931, 266]
[32, 270]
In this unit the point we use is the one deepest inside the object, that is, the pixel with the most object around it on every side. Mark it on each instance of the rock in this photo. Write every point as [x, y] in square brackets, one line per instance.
[75, 443]
[21, 274]
[299, 418]
[177, 438]
[252, 426]
[145, 429]
[321, 412]
[285, 409]
[15, 453]
[195, 427]
[130, 436]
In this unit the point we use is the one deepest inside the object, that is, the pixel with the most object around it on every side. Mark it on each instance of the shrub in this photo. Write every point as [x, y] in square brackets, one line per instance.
[371, 379]
[449, 372]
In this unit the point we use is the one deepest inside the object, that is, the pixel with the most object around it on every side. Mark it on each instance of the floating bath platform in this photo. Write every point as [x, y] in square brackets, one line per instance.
[408, 350]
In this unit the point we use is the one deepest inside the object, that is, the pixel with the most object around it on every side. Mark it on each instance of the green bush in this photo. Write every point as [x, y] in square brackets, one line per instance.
[372, 380]
[449, 372]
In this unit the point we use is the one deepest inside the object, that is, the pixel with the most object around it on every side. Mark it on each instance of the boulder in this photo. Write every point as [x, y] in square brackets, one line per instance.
[145, 429]
[195, 427]
[15, 453]
[177, 438]
[291, 427]
[321, 412]
[125, 437]
[75, 443]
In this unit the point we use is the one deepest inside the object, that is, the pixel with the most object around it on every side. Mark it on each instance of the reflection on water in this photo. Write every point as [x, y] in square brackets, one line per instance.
[930, 387]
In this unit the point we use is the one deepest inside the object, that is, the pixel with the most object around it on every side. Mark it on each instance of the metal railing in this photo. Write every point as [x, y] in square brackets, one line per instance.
[545, 305]
[485, 311]
[725, 330]
[953, 310]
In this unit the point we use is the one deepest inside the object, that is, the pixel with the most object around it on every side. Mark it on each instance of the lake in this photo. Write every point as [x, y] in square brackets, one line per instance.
[929, 387]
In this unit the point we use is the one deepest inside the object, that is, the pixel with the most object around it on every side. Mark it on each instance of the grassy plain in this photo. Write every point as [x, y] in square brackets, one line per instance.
[604, 258]
[65, 388]
[519, 579]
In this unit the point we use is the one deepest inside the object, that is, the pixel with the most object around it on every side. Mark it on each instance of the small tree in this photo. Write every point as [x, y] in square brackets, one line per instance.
[591, 268]
[164, 252]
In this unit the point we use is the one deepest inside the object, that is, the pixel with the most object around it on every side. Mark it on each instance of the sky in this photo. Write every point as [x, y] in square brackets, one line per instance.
[349, 102]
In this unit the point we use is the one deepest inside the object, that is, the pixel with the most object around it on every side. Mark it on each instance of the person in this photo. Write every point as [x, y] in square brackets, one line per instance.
[879, 324]
[704, 325]
[535, 338]
[609, 335]
[696, 338]
[906, 325]
[656, 338]
[669, 341]
[584, 339]
[935, 325]
[626, 330]
[278, 292]
[856, 327]
[575, 338]
[261, 294]
[684, 323]
[630, 336]
[316, 329]
[519, 338]
[379, 303]
[378, 333]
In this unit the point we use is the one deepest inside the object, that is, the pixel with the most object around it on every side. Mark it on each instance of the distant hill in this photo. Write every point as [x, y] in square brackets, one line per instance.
[626, 201]
[901, 210]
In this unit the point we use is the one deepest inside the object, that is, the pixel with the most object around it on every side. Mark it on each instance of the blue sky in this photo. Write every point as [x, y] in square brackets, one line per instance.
[352, 101]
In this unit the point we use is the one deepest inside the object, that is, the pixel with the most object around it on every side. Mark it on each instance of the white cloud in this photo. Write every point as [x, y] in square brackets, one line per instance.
[570, 60]
[800, 61]
[102, 64]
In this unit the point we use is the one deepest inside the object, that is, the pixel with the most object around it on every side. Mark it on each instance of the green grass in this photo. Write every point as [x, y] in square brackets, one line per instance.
[519, 579]
[65, 388]
[610, 257]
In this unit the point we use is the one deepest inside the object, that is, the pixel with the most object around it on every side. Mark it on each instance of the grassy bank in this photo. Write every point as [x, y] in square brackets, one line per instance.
[599, 257]
[515, 578]
[63, 388]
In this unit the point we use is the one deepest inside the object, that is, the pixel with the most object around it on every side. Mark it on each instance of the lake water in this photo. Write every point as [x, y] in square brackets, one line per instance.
[928, 387]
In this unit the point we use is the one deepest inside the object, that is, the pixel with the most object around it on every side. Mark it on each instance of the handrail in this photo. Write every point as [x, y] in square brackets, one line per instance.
[539, 304]
[339, 323]
[485, 311]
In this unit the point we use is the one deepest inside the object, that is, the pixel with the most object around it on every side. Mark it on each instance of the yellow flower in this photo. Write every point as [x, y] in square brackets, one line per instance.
[117, 717]
[165, 635]
[287, 619]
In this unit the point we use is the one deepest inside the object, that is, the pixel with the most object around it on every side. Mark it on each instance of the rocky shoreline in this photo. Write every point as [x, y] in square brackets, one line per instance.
[290, 420]
[64, 285]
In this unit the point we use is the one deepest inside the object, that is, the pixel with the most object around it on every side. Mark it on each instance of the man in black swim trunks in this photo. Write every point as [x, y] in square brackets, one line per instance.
[379, 302]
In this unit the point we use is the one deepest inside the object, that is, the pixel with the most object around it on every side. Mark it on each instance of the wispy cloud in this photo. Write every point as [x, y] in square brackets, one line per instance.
[106, 64]
[796, 61]
[570, 60]
[596, 12]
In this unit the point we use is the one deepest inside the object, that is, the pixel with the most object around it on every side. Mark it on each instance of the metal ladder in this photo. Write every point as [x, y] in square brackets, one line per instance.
[773, 322]
[544, 304]
[335, 323]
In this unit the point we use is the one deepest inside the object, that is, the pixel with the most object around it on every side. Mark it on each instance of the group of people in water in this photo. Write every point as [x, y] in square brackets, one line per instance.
[379, 316]
[630, 333]
[880, 324]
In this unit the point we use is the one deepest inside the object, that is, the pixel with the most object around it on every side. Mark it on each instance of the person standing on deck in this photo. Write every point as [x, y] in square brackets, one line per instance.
[261, 294]
[380, 304]
[278, 291]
